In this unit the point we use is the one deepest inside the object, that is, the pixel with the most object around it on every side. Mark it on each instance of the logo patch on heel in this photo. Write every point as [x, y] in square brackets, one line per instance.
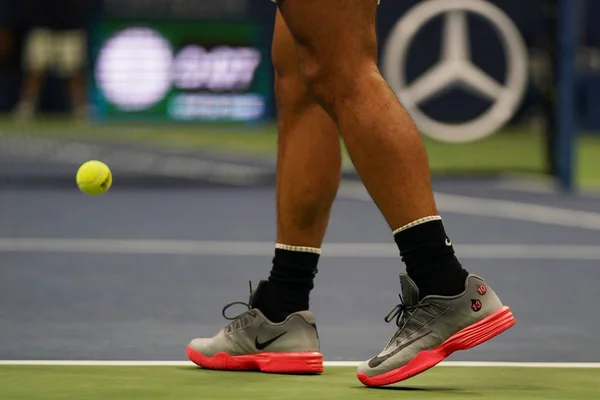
[476, 305]
[482, 290]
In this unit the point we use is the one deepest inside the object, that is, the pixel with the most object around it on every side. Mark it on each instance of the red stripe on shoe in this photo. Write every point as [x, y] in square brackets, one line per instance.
[277, 363]
[467, 338]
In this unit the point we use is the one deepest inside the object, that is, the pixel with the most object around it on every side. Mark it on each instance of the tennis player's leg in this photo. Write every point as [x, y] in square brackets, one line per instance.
[279, 334]
[38, 56]
[308, 176]
[337, 46]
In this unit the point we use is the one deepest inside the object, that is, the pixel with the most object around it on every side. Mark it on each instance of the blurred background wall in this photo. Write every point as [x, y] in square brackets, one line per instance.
[102, 18]
[208, 61]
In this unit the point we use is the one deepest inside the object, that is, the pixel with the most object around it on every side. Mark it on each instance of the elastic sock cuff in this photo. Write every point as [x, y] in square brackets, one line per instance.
[417, 222]
[299, 249]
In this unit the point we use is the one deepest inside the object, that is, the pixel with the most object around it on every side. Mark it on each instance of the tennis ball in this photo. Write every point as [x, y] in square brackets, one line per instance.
[94, 178]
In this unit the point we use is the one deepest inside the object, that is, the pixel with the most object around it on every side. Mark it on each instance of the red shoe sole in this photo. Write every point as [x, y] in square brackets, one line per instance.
[275, 363]
[469, 337]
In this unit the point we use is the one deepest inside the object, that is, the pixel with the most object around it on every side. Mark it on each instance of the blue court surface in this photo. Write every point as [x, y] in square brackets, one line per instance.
[138, 272]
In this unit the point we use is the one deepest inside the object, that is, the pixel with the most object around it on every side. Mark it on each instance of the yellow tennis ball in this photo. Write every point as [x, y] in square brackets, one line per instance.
[94, 178]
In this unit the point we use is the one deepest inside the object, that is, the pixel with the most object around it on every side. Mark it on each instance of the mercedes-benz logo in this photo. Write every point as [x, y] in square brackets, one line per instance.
[455, 68]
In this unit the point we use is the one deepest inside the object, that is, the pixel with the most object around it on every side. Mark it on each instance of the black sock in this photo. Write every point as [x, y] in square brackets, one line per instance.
[429, 257]
[290, 282]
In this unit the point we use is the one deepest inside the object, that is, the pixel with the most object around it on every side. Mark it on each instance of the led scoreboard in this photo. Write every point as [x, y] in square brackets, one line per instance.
[180, 71]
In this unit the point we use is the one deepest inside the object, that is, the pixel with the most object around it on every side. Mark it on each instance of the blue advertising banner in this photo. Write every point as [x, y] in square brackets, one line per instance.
[463, 68]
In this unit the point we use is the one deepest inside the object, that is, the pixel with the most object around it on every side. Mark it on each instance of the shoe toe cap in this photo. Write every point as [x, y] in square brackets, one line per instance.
[363, 368]
[200, 345]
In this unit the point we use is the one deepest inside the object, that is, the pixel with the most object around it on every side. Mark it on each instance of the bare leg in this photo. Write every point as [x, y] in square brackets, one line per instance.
[337, 44]
[37, 58]
[309, 158]
[30, 92]
[77, 92]
[308, 176]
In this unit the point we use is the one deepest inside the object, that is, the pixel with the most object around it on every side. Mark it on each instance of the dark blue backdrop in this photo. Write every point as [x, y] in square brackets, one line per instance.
[527, 15]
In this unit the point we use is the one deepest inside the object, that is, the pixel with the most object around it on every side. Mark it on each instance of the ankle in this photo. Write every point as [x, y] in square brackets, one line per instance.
[290, 282]
[429, 257]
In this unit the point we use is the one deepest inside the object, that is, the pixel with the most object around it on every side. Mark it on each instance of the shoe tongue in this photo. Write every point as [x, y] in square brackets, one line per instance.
[256, 293]
[410, 291]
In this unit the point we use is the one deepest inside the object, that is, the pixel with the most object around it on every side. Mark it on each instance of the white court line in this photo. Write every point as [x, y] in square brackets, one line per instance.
[483, 207]
[538, 186]
[331, 250]
[453, 364]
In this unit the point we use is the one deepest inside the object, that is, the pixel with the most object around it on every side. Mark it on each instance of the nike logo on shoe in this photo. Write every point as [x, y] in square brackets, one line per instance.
[264, 345]
[448, 242]
[377, 361]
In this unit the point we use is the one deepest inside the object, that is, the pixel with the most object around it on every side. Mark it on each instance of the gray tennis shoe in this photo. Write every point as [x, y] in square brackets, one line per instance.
[252, 342]
[433, 328]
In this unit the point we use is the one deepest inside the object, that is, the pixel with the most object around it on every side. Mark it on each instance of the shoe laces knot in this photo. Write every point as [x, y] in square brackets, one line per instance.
[238, 303]
[403, 314]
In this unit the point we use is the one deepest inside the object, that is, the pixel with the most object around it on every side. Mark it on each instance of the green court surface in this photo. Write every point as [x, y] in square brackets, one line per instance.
[516, 151]
[182, 383]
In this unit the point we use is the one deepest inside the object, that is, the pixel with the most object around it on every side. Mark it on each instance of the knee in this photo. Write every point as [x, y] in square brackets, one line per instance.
[318, 77]
[291, 93]
[333, 84]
